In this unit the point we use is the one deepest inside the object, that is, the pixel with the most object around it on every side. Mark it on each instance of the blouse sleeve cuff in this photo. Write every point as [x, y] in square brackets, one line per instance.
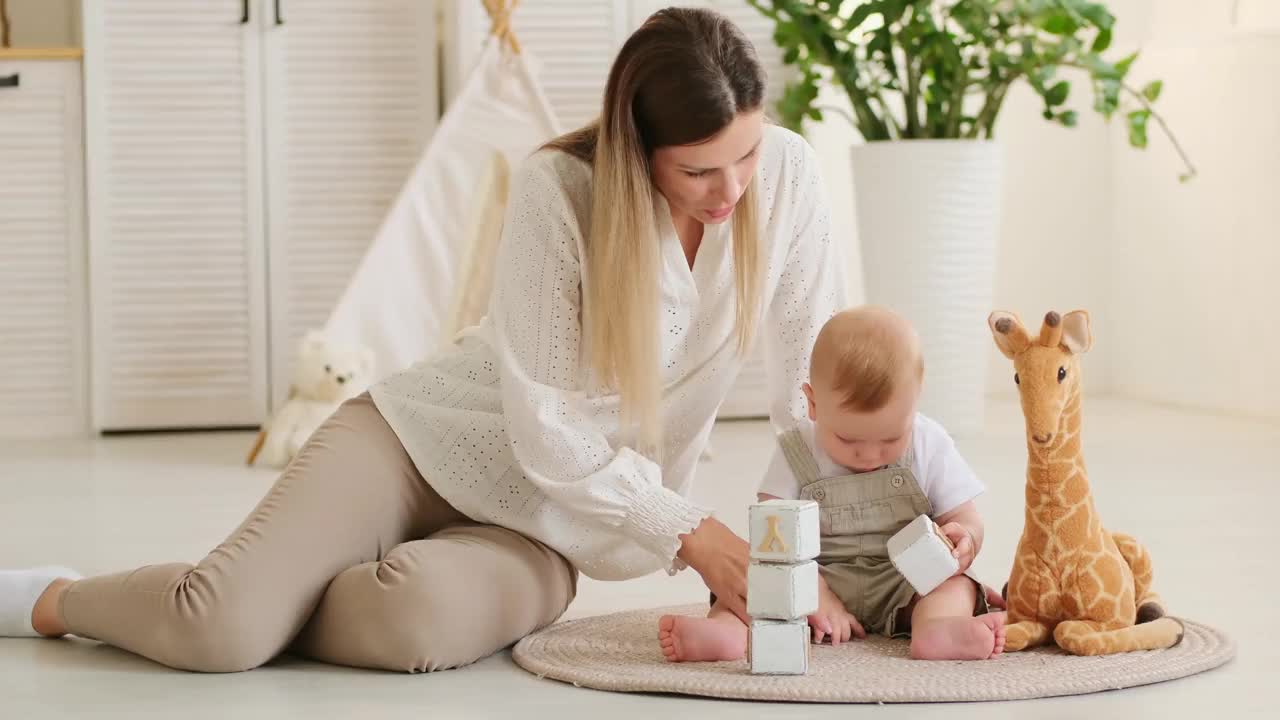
[657, 519]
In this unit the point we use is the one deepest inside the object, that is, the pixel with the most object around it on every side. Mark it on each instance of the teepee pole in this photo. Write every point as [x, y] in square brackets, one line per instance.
[4, 24]
[500, 16]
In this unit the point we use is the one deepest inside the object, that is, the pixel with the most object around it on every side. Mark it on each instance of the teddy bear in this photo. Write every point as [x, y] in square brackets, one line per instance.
[326, 374]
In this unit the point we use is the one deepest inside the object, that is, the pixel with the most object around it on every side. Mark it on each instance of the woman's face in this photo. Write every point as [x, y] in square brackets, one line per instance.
[705, 181]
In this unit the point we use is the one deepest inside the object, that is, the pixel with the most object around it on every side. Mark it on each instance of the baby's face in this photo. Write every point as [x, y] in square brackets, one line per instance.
[863, 441]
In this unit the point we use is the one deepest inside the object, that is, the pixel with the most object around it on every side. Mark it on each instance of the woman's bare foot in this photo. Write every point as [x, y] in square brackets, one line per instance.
[971, 638]
[693, 639]
[44, 616]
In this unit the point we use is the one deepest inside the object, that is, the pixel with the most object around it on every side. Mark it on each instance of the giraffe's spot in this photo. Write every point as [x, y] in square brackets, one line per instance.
[1075, 493]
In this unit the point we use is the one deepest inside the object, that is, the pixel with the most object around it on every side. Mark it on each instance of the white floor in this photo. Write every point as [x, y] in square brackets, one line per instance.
[1199, 491]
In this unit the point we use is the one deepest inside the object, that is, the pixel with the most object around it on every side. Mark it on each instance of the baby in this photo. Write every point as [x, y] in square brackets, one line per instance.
[873, 464]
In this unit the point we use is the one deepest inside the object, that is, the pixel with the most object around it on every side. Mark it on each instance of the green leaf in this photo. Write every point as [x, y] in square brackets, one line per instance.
[1102, 42]
[1057, 94]
[1098, 15]
[1138, 128]
[791, 55]
[972, 18]
[861, 14]
[1152, 90]
[1069, 118]
[1107, 97]
[1123, 66]
[784, 34]
[881, 43]
[893, 10]
[1059, 23]
[1100, 68]
[815, 114]
[1040, 77]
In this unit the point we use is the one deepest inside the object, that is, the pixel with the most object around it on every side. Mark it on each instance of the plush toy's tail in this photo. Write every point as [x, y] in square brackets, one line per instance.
[1149, 604]
[1083, 637]
[257, 447]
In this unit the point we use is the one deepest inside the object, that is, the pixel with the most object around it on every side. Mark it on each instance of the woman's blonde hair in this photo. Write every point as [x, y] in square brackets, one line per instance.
[680, 79]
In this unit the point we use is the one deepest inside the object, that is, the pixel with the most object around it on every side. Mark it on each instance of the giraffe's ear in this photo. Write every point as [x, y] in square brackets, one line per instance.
[1011, 337]
[1077, 333]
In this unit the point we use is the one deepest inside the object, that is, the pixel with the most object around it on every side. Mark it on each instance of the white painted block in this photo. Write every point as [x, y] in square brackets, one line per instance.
[784, 531]
[923, 555]
[778, 647]
[782, 591]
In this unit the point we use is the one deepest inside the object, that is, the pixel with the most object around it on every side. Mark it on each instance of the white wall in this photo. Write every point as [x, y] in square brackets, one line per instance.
[1195, 265]
[44, 23]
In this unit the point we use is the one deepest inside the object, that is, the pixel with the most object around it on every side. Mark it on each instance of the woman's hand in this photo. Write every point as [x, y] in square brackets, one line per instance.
[720, 557]
[833, 619]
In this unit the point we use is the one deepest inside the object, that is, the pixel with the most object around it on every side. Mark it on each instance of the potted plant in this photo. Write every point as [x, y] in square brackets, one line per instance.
[926, 81]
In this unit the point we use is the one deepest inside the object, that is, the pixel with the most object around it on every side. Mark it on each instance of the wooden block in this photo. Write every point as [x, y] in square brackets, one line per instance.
[782, 591]
[923, 555]
[784, 531]
[778, 647]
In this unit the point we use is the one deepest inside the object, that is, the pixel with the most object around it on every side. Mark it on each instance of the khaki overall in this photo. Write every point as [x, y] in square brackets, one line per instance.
[858, 513]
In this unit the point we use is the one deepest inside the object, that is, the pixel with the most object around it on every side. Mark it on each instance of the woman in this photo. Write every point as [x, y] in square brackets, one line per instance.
[445, 514]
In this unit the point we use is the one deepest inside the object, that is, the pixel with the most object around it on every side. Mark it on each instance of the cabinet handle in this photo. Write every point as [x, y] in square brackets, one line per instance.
[244, 12]
[279, 18]
[9, 80]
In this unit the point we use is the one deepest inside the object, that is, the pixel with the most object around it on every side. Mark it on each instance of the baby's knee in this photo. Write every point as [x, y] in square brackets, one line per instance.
[957, 591]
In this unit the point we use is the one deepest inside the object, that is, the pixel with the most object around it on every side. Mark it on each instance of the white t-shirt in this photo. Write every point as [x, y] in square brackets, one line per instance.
[507, 424]
[944, 476]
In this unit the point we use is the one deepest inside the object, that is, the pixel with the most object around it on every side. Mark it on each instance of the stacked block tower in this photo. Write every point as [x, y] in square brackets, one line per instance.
[782, 585]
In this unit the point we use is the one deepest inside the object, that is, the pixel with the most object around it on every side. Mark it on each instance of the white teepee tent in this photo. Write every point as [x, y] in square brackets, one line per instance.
[425, 274]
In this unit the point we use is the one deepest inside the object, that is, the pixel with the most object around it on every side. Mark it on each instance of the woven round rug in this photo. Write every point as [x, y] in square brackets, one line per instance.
[620, 653]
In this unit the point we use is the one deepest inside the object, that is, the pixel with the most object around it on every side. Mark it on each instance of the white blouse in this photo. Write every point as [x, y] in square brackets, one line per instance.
[506, 423]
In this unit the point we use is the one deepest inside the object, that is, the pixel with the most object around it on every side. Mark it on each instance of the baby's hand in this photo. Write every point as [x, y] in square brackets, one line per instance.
[832, 619]
[963, 540]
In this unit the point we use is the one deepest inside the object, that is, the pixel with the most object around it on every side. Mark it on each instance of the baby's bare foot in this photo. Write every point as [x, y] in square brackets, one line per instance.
[972, 638]
[997, 621]
[692, 639]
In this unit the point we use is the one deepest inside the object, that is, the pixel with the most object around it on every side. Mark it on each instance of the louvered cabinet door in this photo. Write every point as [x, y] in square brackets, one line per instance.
[572, 41]
[350, 100]
[42, 246]
[175, 213]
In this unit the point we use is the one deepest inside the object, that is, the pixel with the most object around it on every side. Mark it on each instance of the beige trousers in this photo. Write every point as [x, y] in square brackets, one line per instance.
[351, 559]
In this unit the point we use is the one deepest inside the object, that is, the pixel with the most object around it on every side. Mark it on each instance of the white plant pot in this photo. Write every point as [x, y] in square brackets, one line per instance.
[928, 218]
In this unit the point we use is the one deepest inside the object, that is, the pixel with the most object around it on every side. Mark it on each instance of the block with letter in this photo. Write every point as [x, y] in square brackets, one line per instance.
[784, 531]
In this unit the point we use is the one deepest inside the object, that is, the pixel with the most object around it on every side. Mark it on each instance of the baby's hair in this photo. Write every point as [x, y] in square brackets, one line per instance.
[863, 354]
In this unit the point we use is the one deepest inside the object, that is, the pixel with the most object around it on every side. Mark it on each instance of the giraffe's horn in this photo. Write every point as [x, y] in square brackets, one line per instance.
[1051, 332]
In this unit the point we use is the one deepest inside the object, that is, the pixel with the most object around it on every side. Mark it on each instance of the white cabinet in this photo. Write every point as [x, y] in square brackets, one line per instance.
[42, 246]
[177, 276]
[240, 156]
[352, 94]
[573, 43]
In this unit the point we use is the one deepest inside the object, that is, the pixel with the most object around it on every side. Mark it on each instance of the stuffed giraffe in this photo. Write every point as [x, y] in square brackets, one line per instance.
[1073, 582]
